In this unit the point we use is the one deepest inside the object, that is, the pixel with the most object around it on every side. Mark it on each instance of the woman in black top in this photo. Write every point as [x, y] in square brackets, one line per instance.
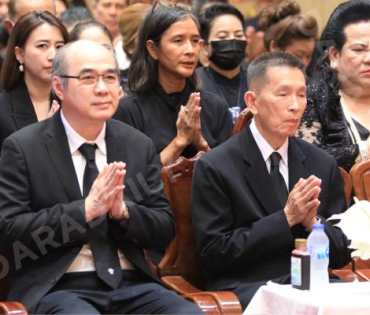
[221, 28]
[165, 105]
[26, 73]
[337, 117]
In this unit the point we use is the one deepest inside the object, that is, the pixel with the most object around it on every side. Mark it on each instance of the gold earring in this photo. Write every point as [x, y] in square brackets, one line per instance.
[21, 68]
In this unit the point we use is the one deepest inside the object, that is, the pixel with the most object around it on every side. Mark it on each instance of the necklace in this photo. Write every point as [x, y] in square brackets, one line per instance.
[217, 86]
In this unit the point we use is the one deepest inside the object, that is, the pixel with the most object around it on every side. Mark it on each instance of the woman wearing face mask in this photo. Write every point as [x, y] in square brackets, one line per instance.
[165, 103]
[26, 73]
[222, 31]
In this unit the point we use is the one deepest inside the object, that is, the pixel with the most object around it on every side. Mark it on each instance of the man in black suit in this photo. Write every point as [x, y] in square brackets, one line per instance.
[247, 216]
[77, 234]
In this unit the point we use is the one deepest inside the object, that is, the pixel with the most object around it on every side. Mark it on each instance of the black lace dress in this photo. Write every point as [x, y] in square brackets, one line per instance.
[324, 124]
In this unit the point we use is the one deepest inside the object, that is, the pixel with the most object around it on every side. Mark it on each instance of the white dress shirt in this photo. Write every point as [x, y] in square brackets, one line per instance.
[84, 261]
[266, 151]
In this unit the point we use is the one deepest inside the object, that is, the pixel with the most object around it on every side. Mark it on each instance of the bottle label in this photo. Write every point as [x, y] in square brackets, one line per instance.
[317, 253]
[296, 271]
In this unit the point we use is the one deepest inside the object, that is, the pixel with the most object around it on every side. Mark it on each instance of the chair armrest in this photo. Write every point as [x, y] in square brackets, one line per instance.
[220, 302]
[364, 273]
[179, 285]
[347, 275]
[12, 308]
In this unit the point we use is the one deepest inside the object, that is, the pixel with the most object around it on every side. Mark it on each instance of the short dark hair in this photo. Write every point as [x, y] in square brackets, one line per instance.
[12, 9]
[208, 15]
[74, 15]
[10, 74]
[346, 13]
[143, 72]
[82, 26]
[257, 70]
[198, 5]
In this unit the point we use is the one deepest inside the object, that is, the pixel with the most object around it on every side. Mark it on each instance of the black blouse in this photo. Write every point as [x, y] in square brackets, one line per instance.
[324, 125]
[155, 114]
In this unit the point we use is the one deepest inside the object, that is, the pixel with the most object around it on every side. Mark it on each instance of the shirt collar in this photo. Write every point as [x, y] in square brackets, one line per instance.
[75, 140]
[266, 148]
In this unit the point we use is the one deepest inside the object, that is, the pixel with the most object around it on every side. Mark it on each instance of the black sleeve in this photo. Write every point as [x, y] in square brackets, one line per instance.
[151, 224]
[37, 230]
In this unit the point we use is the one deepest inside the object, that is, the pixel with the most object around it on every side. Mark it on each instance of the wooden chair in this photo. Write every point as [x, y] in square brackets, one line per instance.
[347, 184]
[347, 273]
[244, 117]
[360, 178]
[360, 175]
[180, 267]
[10, 308]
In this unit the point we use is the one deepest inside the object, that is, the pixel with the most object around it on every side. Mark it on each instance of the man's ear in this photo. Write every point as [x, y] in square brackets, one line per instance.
[8, 24]
[333, 57]
[152, 49]
[273, 47]
[250, 101]
[58, 88]
[121, 93]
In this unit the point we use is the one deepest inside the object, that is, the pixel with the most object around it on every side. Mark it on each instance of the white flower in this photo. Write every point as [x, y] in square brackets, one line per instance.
[355, 224]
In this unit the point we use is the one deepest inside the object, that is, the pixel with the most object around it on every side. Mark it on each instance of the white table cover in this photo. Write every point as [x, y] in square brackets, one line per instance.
[338, 299]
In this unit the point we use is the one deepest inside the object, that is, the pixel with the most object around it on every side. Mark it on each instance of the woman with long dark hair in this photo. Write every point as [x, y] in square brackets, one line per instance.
[26, 73]
[337, 117]
[166, 104]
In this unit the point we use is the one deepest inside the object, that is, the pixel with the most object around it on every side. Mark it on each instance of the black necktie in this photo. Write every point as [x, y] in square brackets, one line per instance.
[104, 252]
[277, 179]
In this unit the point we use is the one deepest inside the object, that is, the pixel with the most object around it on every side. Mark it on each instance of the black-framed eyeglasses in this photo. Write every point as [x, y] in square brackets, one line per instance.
[170, 4]
[91, 78]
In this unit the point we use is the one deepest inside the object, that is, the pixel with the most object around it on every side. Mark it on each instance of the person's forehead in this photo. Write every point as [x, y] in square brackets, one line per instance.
[25, 6]
[80, 60]
[111, 2]
[283, 73]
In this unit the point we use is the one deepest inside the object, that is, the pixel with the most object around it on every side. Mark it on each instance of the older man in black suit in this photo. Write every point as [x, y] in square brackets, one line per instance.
[80, 197]
[256, 193]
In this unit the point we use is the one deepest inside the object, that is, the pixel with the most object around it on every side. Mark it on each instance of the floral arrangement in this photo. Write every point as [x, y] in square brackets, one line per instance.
[355, 224]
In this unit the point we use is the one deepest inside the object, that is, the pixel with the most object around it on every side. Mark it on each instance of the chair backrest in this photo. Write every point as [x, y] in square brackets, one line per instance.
[347, 184]
[181, 257]
[244, 117]
[360, 174]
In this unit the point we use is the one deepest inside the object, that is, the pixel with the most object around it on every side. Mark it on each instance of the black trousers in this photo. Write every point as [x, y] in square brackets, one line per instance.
[85, 293]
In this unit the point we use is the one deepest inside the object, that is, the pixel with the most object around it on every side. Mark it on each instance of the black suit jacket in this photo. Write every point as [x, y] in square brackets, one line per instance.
[16, 111]
[242, 235]
[42, 215]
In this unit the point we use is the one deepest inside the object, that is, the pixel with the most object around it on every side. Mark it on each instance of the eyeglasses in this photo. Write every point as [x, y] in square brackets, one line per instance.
[91, 79]
[170, 4]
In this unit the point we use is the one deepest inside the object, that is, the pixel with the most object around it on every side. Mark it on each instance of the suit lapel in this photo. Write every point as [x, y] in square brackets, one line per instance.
[23, 111]
[256, 174]
[296, 160]
[116, 150]
[57, 145]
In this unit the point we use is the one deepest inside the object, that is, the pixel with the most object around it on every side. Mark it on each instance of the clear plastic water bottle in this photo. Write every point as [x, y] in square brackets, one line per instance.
[318, 247]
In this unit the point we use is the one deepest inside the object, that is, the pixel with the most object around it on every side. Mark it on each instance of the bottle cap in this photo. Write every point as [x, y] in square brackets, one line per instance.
[300, 242]
[318, 226]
